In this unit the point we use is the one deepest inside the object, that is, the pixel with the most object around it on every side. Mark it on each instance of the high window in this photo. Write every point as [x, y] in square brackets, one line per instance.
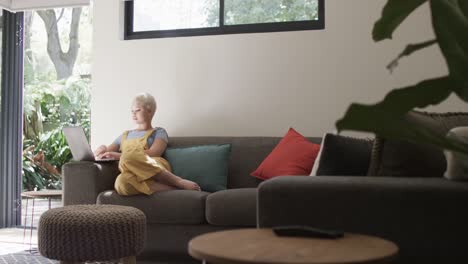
[175, 18]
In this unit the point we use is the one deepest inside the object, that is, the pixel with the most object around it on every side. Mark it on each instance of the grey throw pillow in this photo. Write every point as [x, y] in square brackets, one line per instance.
[401, 158]
[342, 156]
[457, 163]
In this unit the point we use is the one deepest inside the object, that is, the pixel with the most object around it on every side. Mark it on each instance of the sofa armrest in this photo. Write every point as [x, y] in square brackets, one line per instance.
[83, 181]
[424, 216]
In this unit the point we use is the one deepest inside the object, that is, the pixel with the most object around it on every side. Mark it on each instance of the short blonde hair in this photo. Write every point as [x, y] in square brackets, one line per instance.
[147, 101]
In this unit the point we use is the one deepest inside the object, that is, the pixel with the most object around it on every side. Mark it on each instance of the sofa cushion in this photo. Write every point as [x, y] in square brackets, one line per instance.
[341, 155]
[234, 207]
[246, 154]
[206, 165]
[171, 207]
[294, 155]
[457, 162]
[400, 158]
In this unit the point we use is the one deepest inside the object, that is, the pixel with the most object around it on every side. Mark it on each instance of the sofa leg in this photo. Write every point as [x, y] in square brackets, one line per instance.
[129, 260]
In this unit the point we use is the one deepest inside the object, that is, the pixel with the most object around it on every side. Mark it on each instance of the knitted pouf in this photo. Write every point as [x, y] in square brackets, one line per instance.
[80, 233]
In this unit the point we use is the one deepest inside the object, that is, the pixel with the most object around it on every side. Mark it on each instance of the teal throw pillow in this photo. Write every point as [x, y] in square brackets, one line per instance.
[206, 165]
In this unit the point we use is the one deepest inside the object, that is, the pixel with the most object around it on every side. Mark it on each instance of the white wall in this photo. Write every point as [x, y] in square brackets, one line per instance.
[5, 4]
[255, 84]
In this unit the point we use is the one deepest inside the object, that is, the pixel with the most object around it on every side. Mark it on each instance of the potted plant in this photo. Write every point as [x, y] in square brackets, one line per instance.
[386, 118]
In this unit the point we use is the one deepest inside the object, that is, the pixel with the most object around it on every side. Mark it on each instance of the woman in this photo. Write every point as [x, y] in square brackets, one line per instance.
[142, 168]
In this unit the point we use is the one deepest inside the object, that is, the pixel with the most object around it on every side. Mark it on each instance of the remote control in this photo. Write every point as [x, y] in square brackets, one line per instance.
[306, 231]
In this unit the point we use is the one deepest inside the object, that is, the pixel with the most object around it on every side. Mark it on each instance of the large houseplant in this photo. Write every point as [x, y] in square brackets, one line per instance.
[450, 23]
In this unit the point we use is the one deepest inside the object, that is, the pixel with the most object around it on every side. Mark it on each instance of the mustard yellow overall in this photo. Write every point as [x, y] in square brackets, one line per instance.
[136, 167]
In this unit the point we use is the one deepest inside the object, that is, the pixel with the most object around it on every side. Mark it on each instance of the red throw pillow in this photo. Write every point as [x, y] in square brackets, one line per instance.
[294, 155]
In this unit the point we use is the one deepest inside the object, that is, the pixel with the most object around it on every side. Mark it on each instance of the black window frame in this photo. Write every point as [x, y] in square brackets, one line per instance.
[222, 29]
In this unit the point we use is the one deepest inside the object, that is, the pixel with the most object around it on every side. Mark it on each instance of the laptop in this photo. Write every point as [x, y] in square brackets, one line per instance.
[79, 145]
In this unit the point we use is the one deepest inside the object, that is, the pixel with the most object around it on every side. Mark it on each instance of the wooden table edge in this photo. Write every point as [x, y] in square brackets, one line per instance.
[222, 260]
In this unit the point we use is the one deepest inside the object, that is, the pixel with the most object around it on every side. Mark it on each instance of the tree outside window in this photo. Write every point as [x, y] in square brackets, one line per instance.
[57, 86]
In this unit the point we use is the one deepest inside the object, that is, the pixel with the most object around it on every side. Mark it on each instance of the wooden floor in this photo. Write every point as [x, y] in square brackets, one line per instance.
[11, 241]
[18, 239]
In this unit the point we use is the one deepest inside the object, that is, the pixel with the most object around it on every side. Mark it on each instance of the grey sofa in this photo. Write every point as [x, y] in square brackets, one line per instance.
[175, 217]
[426, 217]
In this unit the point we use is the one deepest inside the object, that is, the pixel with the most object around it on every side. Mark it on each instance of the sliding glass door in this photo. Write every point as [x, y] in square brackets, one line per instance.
[57, 90]
[48, 53]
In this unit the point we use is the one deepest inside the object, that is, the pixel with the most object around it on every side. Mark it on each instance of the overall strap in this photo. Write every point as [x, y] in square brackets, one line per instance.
[144, 139]
[124, 136]
[148, 134]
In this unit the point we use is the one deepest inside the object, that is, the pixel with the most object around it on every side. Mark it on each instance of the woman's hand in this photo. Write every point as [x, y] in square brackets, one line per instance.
[103, 151]
[100, 150]
[110, 155]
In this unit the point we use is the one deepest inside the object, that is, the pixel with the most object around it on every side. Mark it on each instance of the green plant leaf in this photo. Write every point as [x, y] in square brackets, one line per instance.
[451, 28]
[410, 49]
[64, 101]
[423, 94]
[394, 13]
[387, 118]
[390, 118]
[396, 103]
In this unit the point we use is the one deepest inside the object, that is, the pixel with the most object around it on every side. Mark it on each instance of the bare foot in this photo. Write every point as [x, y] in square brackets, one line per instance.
[188, 185]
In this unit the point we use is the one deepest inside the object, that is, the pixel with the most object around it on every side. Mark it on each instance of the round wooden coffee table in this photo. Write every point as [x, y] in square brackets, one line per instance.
[243, 246]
